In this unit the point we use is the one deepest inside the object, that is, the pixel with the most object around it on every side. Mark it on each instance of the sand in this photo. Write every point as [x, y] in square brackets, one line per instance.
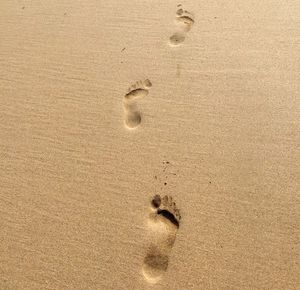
[149, 145]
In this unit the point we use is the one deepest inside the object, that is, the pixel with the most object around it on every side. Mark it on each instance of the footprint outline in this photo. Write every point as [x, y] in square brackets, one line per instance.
[184, 21]
[164, 224]
[138, 90]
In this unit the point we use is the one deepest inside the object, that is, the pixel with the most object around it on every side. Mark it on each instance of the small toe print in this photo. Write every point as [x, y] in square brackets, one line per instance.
[147, 84]
[179, 11]
[156, 201]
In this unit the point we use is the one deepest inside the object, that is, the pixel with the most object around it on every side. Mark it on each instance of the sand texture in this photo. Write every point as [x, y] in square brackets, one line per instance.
[149, 144]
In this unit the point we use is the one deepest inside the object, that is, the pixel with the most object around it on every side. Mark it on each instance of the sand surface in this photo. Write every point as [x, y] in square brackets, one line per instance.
[105, 104]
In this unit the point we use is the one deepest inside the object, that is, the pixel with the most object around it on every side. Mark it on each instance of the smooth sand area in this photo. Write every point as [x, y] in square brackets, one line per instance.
[149, 144]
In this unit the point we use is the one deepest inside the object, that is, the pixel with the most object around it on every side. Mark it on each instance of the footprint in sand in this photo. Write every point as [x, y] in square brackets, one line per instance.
[184, 21]
[132, 114]
[163, 223]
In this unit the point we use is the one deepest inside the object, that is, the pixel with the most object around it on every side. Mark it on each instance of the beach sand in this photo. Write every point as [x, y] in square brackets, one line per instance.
[149, 144]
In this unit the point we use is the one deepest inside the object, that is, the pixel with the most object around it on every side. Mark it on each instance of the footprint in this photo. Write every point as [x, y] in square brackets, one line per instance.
[132, 114]
[184, 21]
[164, 224]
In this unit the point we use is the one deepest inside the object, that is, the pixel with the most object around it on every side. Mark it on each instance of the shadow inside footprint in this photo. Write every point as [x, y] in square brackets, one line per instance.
[177, 38]
[137, 93]
[133, 119]
[168, 216]
[155, 263]
[158, 262]
[186, 21]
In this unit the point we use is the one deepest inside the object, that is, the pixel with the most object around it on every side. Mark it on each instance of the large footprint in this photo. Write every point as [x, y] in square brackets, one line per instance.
[132, 114]
[184, 21]
[163, 223]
